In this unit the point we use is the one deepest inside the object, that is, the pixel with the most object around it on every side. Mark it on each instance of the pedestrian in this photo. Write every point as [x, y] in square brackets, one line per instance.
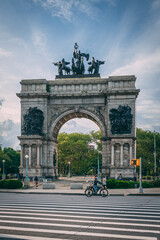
[104, 181]
[120, 177]
[36, 181]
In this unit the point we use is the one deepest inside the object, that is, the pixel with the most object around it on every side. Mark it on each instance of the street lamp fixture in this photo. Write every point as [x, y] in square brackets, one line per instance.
[3, 176]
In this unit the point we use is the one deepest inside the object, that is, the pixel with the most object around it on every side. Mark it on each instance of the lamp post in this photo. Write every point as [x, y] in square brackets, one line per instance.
[26, 180]
[94, 146]
[69, 169]
[155, 164]
[140, 178]
[26, 157]
[3, 176]
[98, 168]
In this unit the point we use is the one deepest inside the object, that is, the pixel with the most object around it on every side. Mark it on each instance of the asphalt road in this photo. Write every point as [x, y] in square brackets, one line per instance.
[43, 217]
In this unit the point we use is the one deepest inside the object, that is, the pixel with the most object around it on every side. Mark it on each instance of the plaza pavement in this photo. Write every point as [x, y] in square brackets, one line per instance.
[62, 186]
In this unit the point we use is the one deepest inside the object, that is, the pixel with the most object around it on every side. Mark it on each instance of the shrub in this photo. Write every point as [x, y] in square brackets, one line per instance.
[2, 183]
[157, 183]
[123, 184]
[111, 183]
[147, 184]
[10, 184]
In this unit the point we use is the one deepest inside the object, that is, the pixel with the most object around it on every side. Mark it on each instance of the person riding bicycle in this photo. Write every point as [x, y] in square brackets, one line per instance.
[95, 184]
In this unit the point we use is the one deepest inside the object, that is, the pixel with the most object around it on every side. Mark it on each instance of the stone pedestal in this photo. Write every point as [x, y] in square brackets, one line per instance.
[26, 183]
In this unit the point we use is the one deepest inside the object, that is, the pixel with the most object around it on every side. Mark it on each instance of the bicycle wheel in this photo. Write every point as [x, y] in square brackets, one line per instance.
[104, 192]
[88, 192]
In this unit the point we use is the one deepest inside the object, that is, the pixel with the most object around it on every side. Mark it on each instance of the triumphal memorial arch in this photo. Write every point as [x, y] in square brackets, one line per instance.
[46, 105]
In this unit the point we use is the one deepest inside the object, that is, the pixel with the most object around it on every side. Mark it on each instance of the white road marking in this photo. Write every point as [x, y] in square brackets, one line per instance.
[30, 237]
[80, 212]
[81, 209]
[80, 226]
[97, 208]
[78, 233]
[77, 216]
[82, 221]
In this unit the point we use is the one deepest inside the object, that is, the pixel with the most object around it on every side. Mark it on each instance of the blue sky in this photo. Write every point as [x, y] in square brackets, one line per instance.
[34, 33]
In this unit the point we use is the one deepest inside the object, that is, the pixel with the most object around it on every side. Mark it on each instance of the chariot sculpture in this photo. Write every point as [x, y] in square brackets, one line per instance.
[78, 66]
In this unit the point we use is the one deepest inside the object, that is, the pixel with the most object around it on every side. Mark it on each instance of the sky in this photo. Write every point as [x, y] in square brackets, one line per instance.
[35, 33]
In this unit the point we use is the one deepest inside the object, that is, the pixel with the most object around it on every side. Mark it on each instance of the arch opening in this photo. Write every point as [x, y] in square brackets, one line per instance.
[78, 153]
[70, 115]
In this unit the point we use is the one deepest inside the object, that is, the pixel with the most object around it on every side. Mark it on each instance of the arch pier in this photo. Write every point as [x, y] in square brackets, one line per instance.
[46, 105]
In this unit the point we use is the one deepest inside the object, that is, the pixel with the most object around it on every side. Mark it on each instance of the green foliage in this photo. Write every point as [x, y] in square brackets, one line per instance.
[145, 150]
[111, 183]
[10, 184]
[73, 148]
[157, 183]
[120, 184]
[147, 184]
[12, 160]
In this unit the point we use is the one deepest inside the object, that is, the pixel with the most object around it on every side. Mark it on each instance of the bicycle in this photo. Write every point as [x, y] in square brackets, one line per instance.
[102, 190]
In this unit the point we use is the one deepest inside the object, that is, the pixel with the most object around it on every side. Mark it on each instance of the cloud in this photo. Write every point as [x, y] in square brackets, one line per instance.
[155, 5]
[67, 9]
[8, 134]
[5, 53]
[39, 41]
[142, 64]
[82, 125]
[148, 111]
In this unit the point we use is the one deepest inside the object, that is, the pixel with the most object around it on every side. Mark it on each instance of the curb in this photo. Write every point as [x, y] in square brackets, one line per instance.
[143, 194]
[82, 194]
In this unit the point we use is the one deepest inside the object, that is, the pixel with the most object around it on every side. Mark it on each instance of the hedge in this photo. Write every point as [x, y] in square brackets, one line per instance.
[120, 184]
[10, 184]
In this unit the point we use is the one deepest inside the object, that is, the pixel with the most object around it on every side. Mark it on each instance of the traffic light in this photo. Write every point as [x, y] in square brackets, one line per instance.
[138, 162]
[135, 162]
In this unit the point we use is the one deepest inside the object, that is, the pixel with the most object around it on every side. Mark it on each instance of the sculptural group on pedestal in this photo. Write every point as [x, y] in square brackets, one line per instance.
[78, 66]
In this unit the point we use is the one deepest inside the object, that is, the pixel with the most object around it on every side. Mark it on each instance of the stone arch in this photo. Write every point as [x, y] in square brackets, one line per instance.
[81, 96]
[68, 115]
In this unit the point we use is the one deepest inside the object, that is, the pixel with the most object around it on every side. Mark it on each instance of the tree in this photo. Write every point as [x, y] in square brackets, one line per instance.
[12, 160]
[73, 148]
[145, 150]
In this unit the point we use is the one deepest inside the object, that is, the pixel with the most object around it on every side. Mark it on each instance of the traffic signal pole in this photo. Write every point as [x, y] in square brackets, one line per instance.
[140, 177]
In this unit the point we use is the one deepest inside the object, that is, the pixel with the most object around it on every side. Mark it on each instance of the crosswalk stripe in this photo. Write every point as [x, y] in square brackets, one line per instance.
[29, 237]
[80, 212]
[62, 218]
[83, 221]
[76, 233]
[97, 208]
[80, 209]
[78, 216]
[80, 226]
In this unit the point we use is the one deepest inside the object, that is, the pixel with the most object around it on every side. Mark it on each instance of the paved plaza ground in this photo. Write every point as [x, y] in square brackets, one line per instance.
[63, 186]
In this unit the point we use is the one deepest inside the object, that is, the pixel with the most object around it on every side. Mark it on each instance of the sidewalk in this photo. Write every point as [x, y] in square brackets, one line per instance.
[62, 186]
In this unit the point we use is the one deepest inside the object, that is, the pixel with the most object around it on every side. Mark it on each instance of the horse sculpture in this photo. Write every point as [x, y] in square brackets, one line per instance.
[94, 65]
[62, 66]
